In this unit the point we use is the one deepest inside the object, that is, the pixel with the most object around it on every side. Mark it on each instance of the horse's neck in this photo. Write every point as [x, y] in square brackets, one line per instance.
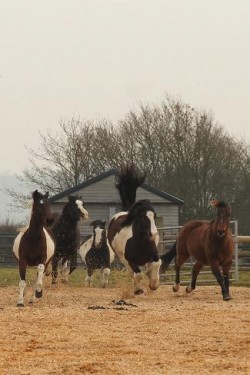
[35, 226]
[67, 224]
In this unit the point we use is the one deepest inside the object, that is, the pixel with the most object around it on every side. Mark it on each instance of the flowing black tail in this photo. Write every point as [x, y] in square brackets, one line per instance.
[167, 258]
[128, 179]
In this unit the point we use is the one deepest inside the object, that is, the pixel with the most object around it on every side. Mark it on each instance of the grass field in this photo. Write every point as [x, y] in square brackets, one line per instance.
[9, 276]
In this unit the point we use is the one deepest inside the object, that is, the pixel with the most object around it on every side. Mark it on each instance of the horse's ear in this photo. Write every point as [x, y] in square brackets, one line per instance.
[71, 198]
[92, 223]
[46, 194]
[35, 195]
[103, 222]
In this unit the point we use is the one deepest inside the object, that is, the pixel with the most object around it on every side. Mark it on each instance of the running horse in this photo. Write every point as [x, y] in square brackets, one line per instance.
[67, 236]
[132, 233]
[209, 243]
[96, 253]
[34, 246]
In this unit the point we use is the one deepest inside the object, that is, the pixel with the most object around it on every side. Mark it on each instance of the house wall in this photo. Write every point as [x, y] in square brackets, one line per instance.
[102, 200]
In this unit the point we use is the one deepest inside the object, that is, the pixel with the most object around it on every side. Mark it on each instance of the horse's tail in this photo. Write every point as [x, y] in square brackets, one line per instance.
[167, 258]
[128, 179]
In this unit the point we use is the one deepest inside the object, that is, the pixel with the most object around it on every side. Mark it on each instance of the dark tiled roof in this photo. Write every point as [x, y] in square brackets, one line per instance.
[111, 172]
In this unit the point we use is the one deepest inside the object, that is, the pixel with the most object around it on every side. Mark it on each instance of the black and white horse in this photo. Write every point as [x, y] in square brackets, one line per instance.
[34, 246]
[132, 234]
[96, 253]
[67, 236]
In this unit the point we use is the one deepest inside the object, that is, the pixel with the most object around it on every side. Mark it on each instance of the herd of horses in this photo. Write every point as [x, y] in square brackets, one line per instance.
[131, 235]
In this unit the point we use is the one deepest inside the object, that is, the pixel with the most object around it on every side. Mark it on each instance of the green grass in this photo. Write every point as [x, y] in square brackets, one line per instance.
[10, 277]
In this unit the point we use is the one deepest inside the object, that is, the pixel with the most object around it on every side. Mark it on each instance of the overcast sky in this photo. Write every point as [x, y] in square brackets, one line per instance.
[100, 58]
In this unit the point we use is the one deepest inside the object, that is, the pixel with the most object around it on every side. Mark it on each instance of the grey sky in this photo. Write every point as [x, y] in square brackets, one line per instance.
[100, 58]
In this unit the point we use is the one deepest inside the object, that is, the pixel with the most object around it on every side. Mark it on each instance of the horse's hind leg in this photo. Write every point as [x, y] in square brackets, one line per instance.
[195, 272]
[38, 285]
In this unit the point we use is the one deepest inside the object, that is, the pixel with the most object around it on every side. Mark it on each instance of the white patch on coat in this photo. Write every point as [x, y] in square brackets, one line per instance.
[84, 248]
[120, 239]
[18, 240]
[98, 235]
[50, 245]
[153, 229]
[82, 209]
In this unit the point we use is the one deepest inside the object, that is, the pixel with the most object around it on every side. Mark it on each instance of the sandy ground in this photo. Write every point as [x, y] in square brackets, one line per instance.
[84, 331]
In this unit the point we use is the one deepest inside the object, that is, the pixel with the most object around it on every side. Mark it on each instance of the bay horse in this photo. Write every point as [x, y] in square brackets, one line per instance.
[132, 233]
[34, 246]
[67, 236]
[209, 243]
[96, 253]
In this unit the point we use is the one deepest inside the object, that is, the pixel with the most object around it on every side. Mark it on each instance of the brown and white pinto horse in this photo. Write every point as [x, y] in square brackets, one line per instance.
[133, 234]
[34, 246]
[209, 243]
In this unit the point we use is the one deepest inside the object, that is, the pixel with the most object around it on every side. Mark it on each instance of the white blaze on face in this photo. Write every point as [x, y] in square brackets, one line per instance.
[153, 229]
[98, 235]
[85, 214]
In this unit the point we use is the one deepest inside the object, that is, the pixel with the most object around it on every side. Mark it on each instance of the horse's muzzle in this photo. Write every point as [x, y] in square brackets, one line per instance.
[221, 233]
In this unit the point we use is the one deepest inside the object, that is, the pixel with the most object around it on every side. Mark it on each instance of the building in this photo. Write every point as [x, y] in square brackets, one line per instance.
[102, 201]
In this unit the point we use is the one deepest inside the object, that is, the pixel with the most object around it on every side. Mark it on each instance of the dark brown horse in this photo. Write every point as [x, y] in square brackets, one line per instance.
[34, 246]
[209, 243]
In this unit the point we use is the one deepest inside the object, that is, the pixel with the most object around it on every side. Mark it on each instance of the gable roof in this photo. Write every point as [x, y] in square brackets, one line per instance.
[111, 172]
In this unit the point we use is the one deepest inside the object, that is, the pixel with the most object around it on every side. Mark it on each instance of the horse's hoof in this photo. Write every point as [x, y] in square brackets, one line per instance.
[189, 289]
[139, 291]
[175, 288]
[226, 297]
[20, 305]
[54, 282]
[31, 302]
[39, 294]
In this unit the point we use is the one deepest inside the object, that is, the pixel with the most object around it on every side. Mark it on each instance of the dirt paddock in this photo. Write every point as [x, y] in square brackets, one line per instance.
[91, 331]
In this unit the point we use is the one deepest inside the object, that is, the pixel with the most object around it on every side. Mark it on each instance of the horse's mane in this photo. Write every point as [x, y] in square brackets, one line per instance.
[139, 207]
[128, 179]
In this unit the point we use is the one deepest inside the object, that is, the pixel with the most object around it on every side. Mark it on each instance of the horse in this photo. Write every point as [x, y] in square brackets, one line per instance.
[97, 253]
[209, 243]
[132, 233]
[34, 246]
[67, 236]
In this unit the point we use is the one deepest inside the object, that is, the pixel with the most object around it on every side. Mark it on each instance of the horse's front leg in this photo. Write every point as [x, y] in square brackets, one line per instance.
[226, 275]
[220, 279]
[136, 277]
[22, 283]
[89, 277]
[153, 273]
[38, 285]
[104, 274]
[65, 271]
[195, 272]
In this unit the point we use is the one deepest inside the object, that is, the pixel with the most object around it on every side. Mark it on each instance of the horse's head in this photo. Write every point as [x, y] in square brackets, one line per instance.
[142, 217]
[222, 221]
[75, 209]
[99, 232]
[41, 208]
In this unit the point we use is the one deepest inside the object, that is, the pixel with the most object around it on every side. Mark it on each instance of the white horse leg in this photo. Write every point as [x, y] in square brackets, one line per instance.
[88, 280]
[137, 279]
[22, 286]
[105, 272]
[65, 272]
[153, 269]
[38, 285]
